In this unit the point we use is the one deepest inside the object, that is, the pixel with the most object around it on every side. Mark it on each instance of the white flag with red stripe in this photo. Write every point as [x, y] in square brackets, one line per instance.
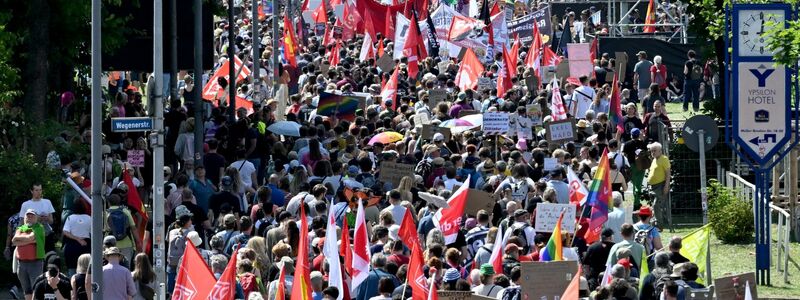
[496, 259]
[360, 250]
[557, 104]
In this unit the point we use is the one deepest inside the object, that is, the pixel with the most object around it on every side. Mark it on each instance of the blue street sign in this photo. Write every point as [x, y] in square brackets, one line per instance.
[131, 124]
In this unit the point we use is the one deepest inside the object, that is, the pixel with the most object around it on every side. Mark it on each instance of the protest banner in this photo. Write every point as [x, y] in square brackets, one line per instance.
[442, 17]
[454, 295]
[393, 172]
[385, 63]
[400, 34]
[524, 26]
[343, 106]
[436, 96]
[495, 122]
[420, 119]
[477, 200]
[579, 61]
[733, 286]
[547, 216]
[485, 83]
[523, 126]
[546, 280]
[136, 158]
[561, 131]
[429, 130]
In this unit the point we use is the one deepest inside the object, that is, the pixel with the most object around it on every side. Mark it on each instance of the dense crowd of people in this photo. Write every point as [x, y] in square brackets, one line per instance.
[245, 195]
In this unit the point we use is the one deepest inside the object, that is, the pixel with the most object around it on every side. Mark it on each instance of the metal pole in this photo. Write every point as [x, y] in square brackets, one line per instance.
[255, 24]
[157, 136]
[97, 153]
[703, 192]
[173, 51]
[231, 66]
[199, 104]
[275, 59]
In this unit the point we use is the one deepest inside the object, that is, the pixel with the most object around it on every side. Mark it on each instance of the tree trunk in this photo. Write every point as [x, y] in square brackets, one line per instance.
[35, 74]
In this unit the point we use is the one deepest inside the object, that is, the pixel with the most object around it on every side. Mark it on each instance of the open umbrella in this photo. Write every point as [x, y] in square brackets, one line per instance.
[386, 137]
[475, 120]
[286, 128]
[433, 199]
[455, 123]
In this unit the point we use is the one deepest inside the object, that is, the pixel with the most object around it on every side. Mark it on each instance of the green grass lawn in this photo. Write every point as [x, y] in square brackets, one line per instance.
[675, 111]
[736, 259]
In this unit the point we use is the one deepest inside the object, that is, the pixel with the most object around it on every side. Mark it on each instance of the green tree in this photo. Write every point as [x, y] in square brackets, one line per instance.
[785, 42]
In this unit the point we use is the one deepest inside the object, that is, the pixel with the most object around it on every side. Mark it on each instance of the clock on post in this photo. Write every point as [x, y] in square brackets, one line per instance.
[751, 22]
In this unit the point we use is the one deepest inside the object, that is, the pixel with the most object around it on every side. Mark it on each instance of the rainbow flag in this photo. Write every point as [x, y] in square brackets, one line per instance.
[599, 199]
[343, 106]
[554, 249]
[616, 106]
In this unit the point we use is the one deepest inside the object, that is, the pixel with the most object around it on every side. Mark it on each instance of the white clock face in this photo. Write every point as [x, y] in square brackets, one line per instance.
[752, 24]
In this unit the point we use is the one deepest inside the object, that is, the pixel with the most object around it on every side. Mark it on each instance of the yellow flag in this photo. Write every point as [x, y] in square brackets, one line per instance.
[645, 270]
[695, 248]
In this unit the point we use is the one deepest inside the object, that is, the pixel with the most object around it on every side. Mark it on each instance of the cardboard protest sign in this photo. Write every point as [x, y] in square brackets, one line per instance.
[547, 216]
[443, 66]
[579, 61]
[477, 200]
[495, 122]
[467, 112]
[394, 172]
[420, 119]
[454, 295]
[561, 131]
[563, 69]
[546, 280]
[523, 126]
[429, 130]
[385, 63]
[484, 83]
[733, 286]
[436, 96]
[622, 62]
[136, 158]
[534, 111]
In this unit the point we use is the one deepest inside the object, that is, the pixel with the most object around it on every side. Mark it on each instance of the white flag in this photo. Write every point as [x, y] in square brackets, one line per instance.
[577, 191]
[331, 252]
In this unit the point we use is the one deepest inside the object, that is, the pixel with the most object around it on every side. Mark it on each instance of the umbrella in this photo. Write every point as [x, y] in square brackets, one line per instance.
[475, 120]
[386, 137]
[455, 123]
[433, 199]
[286, 128]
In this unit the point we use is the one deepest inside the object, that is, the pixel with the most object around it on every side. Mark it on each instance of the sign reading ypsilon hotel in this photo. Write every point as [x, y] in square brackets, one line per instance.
[131, 124]
[761, 108]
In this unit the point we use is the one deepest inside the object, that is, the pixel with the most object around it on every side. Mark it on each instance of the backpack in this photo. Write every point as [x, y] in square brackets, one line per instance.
[520, 232]
[118, 224]
[177, 246]
[512, 293]
[642, 237]
[367, 180]
[697, 71]
[643, 160]
[423, 168]
[625, 170]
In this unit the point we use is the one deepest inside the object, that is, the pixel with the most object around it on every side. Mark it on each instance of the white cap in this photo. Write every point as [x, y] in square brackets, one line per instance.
[195, 238]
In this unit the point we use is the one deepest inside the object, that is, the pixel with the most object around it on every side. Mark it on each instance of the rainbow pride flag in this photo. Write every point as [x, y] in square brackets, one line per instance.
[599, 199]
[343, 106]
[554, 249]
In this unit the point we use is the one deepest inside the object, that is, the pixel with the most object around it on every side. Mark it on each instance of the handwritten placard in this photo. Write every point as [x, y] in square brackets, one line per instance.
[454, 295]
[546, 280]
[550, 163]
[428, 130]
[561, 131]
[484, 83]
[436, 96]
[136, 158]
[394, 172]
[547, 216]
[495, 122]
[534, 111]
[420, 119]
[477, 200]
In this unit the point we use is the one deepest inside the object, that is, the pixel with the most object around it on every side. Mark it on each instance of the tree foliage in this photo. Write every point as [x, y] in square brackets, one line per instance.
[785, 42]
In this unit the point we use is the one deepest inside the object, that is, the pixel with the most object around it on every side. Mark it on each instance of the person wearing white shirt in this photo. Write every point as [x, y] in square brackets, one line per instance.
[613, 153]
[397, 210]
[247, 172]
[616, 217]
[43, 207]
[583, 98]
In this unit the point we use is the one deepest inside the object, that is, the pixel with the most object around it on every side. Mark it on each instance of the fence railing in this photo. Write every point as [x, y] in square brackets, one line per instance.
[746, 190]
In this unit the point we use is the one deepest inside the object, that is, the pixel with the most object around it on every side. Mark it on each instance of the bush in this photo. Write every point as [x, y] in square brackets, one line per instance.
[21, 171]
[731, 218]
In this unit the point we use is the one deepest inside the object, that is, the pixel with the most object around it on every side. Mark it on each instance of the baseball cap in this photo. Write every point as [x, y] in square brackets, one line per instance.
[645, 211]
[438, 137]
[182, 211]
[520, 212]
[30, 211]
[110, 241]
[608, 232]
[636, 132]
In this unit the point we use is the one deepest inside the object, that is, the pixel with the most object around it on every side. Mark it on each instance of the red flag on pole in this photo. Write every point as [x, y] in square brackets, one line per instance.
[470, 70]
[301, 289]
[504, 78]
[448, 219]
[281, 290]
[135, 202]
[225, 289]
[650, 19]
[411, 48]
[289, 42]
[194, 280]
[320, 14]
[534, 59]
[389, 91]
[361, 249]
[415, 276]
[574, 288]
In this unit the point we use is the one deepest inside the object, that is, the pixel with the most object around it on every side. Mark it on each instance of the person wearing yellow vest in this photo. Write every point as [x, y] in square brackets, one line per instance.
[29, 240]
[659, 180]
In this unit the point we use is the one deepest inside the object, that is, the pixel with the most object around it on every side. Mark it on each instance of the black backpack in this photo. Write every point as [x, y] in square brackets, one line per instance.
[520, 232]
[512, 293]
[118, 224]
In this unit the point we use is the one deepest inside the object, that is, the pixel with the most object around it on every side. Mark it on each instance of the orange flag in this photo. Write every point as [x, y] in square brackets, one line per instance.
[301, 289]
[573, 289]
[289, 42]
[281, 292]
[650, 19]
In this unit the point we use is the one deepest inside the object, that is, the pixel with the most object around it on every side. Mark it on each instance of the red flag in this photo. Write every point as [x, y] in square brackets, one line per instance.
[327, 36]
[289, 42]
[515, 49]
[135, 202]
[335, 2]
[334, 55]
[496, 258]
[344, 248]
[616, 106]
[225, 289]
[593, 49]
[194, 279]
[535, 53]
[369, 27]
[350, 20]
[281, 291]
[301, 289]
[557, 103]
[495, 8]
[320, 14]
[471, 68]
[389, 23]
[504, 78]
[650, 19]
[449, 219]
[549, 58]
[212, 88]
[389, 91]
[574, 288]
[303, 7]
[408, 232]
[411, 49]
[415, 276]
